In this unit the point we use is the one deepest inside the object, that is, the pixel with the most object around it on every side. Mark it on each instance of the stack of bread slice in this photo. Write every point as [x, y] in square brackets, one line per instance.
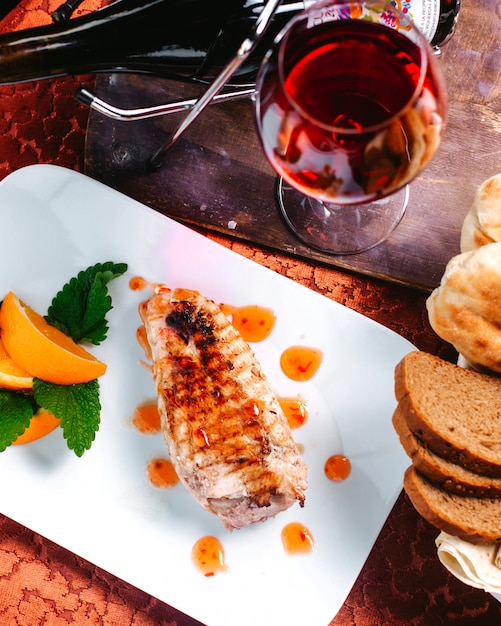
[448, 420]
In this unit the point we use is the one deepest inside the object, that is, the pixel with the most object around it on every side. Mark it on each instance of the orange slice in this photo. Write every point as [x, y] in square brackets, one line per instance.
[42, 423]
[42, 350]
[11, 375]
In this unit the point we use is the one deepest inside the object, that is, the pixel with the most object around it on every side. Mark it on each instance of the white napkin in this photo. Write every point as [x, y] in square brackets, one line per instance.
[474, 564]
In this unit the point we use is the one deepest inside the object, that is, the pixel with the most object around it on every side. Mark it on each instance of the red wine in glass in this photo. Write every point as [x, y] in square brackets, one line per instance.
[348, 110]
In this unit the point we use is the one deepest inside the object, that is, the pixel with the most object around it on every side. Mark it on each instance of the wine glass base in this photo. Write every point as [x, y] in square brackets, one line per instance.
[341, 229]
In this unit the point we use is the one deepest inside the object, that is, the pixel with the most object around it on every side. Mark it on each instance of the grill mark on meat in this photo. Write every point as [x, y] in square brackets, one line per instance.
[191, 324]
[223, 425]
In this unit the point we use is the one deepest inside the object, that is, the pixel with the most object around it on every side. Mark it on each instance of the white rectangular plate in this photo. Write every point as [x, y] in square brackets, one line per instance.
[55, 223]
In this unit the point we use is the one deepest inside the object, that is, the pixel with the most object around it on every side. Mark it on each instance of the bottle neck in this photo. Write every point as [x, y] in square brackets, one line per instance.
[171, 38]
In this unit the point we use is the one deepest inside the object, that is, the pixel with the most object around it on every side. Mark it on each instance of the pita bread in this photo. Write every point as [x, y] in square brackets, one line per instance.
[482, 224]
[465, 309]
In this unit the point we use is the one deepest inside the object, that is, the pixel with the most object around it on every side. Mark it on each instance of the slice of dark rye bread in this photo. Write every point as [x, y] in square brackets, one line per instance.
[454, 411]
[447, 475]
[477, 520]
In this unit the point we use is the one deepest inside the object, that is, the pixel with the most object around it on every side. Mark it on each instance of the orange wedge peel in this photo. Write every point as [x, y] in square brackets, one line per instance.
[11, 375]
[42, 423]
[42, 350]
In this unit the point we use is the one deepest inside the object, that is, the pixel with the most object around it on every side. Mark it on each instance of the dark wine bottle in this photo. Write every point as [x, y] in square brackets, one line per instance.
[449, 13]
[436, 19]
[170, 38]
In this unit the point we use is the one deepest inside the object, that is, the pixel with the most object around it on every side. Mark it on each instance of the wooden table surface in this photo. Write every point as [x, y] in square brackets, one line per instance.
[222, 181]
[402, 582]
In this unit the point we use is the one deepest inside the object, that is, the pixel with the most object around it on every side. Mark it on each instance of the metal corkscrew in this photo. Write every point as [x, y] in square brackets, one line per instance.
[243, 52]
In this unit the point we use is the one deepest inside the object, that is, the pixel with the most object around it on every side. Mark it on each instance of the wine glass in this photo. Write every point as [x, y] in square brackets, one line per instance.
[350, 106]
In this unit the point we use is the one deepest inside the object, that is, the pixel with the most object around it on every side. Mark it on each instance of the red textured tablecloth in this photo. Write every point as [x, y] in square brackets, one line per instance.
[41, 584]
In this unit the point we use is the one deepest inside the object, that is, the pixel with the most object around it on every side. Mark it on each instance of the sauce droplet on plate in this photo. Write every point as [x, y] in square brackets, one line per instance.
[337, 467]
[255, 323]
[142, 340]
[300, 363]
[208, 556]
[295, 411]
[137, 283]
[161, 473]
[146, 419]
[297, 539]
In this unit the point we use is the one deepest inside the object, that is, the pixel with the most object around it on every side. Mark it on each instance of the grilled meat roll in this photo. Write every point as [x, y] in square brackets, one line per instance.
[225, 431]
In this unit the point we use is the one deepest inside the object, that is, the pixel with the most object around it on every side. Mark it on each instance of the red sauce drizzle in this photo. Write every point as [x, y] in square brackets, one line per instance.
[200, 438]
[297, 539]
[253, 408]
[295, 411]
[161, 473]
[300, 363]
[146, 418]
[208, 556]
[137, 283]
[143, 342]
[255, 323]
[337, 467]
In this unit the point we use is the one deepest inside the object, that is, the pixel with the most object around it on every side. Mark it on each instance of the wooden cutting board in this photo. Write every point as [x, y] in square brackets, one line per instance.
[216, 177]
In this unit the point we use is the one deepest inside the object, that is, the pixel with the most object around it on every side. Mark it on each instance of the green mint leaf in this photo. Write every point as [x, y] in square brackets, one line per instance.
[79, 309]
[77, 407]
[16, 411]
